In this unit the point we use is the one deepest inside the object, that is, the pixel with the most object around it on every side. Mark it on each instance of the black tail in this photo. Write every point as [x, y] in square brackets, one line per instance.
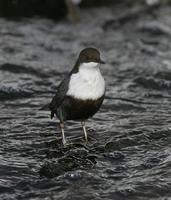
[51, 109]
[52, 114]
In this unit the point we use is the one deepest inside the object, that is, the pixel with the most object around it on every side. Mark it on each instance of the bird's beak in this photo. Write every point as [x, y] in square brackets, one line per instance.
[102, 62]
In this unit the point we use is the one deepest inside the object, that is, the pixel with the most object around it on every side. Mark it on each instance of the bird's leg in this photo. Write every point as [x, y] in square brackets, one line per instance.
[84, 130]
[63, 134]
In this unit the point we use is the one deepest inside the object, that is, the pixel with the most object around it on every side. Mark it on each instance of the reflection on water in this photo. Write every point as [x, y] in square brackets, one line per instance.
[128, 155]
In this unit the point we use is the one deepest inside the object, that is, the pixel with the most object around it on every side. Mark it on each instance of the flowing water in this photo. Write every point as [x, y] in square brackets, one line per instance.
[129, 151]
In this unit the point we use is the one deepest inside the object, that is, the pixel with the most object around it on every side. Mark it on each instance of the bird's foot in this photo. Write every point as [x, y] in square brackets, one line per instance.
[64, 142]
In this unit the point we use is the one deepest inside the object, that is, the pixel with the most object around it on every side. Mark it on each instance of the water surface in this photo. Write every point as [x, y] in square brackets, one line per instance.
[129, 152]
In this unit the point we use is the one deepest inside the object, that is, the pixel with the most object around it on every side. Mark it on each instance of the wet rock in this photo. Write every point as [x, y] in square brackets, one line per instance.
[69, 158]
[75, 161]
[54, 154]
[63, 165]
[55, 144]
[51, 169]
[81, 153]
[69, 163]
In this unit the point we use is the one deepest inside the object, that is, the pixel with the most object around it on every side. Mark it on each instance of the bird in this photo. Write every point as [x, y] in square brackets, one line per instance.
[81, 93]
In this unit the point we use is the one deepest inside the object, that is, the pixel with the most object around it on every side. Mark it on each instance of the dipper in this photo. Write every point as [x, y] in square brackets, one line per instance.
[81, 93]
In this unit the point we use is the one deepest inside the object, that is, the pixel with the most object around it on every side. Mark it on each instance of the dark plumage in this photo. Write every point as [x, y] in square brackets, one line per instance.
[59, 97]
[67, 107]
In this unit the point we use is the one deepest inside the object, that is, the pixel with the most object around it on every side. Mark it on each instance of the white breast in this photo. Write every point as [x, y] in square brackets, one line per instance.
[88, 83]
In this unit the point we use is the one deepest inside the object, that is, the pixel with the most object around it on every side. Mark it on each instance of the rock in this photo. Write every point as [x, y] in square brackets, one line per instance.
[51, 169]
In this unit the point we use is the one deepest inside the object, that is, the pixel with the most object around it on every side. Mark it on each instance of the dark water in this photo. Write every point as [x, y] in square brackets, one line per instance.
[129, 153]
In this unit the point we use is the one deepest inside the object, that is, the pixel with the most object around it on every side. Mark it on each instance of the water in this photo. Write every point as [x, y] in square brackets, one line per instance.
[129, 152]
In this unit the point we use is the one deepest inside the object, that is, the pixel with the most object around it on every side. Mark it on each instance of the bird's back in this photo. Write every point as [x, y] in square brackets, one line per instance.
[59, 96]
[84, 85]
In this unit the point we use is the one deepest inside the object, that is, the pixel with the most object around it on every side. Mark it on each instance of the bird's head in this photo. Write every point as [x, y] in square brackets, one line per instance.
[90, 57]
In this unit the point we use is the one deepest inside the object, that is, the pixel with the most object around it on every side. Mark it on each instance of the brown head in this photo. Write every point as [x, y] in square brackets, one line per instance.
[90, 55]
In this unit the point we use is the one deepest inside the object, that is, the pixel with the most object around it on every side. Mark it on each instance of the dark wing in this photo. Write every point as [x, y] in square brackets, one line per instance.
[59, 96]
